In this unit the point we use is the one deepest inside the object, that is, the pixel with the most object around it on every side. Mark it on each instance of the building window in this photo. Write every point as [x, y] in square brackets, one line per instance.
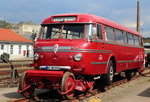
[2, 47]
[19, 49]
[27, 47]
[11, 49]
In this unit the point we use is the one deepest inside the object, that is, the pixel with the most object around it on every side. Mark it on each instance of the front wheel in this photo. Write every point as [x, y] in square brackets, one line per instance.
[108, 78]
[67, 85]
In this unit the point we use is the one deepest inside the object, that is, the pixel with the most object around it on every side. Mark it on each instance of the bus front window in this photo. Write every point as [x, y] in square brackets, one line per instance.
[67, 31]
[89, 32]
[50, 32]
[73, 31]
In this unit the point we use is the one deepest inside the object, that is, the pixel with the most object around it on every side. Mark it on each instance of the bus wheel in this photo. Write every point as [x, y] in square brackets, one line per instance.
[108, 78]
[24, 82]
[67, 84]
[130, 74]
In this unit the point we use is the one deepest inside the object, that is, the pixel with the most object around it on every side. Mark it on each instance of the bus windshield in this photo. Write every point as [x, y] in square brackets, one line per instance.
[67, 31]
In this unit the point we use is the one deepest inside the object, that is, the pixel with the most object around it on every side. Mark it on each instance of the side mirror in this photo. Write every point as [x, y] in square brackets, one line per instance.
[33, 36]
[91, 38]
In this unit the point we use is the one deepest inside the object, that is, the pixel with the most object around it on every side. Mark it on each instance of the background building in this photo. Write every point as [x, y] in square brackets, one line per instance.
[25, 28]
[14, 44]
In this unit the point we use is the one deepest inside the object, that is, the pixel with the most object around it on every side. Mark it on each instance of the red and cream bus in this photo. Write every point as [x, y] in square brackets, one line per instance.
[72, 50]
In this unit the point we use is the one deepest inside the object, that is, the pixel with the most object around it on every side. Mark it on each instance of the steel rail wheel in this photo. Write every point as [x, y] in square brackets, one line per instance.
[26, 86]
[67, 84]
[130, 74]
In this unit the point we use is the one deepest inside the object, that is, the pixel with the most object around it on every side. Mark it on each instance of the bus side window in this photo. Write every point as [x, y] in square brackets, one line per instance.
[119, 36]
[130, 39]
[99, 31]
[109, 33]
[136, 40]
[140, 41]
[125, 37]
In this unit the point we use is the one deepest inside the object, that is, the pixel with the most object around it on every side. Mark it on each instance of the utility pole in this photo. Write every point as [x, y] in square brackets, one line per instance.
[138, 16]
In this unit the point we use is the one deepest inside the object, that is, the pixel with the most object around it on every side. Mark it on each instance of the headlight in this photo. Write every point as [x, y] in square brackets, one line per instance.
[77, 57]
[36, 56]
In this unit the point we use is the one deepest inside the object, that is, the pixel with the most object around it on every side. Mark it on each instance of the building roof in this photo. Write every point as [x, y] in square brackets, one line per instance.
[7, 35]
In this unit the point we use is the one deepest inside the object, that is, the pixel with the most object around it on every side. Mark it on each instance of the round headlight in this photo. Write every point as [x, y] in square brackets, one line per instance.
[36, 56]
[77, 57]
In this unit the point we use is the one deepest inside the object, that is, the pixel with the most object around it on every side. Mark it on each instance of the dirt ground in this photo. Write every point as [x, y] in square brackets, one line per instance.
[134, 91]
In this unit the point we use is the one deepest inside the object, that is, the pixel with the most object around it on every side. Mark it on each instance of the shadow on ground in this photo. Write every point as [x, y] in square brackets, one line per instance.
[145, 93]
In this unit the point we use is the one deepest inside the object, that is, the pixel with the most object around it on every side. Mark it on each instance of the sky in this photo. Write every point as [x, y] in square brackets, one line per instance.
[120, 11]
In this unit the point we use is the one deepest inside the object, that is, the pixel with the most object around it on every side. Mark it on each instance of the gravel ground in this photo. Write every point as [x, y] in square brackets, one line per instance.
[134, 91]
[8, 94]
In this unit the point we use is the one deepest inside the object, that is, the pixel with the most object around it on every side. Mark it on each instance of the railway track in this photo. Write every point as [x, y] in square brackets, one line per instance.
[99, 88]
[5, 71]
[20, 65]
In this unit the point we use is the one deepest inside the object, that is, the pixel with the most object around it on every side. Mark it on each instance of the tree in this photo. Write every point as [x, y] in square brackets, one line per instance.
[146, 40]
[5, 25]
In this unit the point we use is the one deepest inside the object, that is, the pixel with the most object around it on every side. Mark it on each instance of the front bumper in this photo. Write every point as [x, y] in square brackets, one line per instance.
[37, 75]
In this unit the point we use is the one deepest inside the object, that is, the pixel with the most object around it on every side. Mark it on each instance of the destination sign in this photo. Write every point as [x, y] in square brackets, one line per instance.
[67, 18]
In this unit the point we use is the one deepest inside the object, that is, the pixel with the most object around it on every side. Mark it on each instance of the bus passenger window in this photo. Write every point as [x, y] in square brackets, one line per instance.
[119, 36]
[109, 33]
[125, 37]
[136, 40]
[99, 31]
[140, 41]
[130, 39]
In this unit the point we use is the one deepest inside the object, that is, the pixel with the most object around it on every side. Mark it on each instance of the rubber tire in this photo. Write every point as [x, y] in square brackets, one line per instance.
[64, 83]
[108, 78]
[28, 93]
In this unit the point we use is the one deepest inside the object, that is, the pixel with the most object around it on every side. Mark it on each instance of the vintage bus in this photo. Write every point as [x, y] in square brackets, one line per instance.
[73, 50]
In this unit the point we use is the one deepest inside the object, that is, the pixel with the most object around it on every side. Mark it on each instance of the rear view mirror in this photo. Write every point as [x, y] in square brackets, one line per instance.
[33, 35]
[91, 38]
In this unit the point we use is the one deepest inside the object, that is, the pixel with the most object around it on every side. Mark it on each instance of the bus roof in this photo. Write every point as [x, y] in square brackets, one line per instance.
[88, 18]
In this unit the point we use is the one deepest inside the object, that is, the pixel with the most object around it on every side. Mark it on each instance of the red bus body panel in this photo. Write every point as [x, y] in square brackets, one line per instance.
[37, 75]
[56, 59]
[95, 54]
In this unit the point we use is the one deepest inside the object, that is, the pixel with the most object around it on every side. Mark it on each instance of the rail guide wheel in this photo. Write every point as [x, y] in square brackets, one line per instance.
[130, 74]
[26, 86]
[67, 85]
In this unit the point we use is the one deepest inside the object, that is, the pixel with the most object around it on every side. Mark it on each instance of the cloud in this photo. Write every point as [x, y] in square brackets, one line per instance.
[120, 11]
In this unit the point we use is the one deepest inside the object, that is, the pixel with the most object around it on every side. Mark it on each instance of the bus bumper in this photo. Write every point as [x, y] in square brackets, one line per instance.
[37, 75]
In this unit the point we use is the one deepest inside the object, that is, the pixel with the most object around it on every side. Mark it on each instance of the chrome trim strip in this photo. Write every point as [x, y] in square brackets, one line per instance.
[127, 45]
[130, 61]
[98, 63]
[69, 49]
